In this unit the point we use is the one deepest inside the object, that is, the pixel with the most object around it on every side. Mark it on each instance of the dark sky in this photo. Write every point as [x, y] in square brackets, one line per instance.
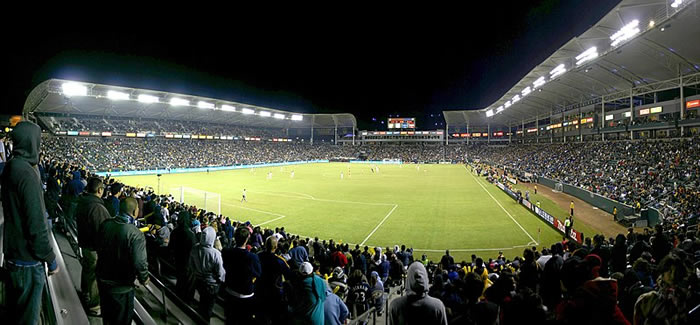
[369, 62]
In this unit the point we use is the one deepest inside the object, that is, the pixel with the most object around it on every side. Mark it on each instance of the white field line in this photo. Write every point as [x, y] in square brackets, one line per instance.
[256, 210]
[266, 222]
[322, 200]
[502, 208]
[379, 225]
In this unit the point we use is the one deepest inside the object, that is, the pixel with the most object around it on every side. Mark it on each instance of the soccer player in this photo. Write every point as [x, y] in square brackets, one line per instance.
[244, 199]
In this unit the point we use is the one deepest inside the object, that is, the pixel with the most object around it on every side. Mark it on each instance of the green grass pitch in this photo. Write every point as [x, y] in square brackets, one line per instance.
[428, 207]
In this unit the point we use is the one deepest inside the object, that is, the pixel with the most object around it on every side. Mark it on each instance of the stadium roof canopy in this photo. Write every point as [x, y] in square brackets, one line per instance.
[57, 96]
[639, 47]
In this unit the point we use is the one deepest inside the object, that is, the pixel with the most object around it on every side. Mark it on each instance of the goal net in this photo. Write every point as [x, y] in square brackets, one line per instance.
[208, 201]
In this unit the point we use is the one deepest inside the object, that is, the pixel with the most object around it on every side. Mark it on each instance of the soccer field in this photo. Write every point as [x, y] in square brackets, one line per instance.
[428, 207]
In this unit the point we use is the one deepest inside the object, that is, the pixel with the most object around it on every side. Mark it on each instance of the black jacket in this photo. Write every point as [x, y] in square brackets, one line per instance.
[121, 254]
[26, 233]
[89, 215]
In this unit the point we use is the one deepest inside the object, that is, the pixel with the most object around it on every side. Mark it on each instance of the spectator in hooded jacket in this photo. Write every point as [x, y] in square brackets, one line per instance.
[416, 307]
[208, 269]
[26, 235]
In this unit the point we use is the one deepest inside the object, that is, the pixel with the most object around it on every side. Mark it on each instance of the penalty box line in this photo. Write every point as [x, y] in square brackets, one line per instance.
[502, 208]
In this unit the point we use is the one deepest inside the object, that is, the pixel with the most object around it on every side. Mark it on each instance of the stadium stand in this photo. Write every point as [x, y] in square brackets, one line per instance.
[642, 278]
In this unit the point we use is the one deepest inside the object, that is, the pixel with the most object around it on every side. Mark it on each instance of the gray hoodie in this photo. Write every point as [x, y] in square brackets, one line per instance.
[205, 260]
[416, 307]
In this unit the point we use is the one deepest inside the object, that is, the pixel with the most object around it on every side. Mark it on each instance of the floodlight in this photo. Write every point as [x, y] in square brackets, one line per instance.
[557, 71]
[516, 98]
[203, 104]
[179, 102]
[587, 55]
[279, 116]
[147, 99]
[625, 33]
[297, 117]
[265, 114]
[71, 89]
[538, 82]
[526, 91]
[228, 108]
[507, 104]
[489, 113]
[247, 111]
[117, 95]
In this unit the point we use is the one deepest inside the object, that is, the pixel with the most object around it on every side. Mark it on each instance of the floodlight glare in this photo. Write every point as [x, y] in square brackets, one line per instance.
[507, 104]
[489, 113]
[538, 82]
[147, 99]
[228, 108]
[297, 117]
[117, 95]
[516, 98]
[71, 89]
[587, 55]
[179, 102]
[526, 91]
[557, 71]
[279, 116]
[265, 114]
[203, 104]
[625, 33]
[247, 111]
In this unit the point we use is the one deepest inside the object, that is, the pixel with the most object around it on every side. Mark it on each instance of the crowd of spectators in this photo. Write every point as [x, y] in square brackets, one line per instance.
[660, 174]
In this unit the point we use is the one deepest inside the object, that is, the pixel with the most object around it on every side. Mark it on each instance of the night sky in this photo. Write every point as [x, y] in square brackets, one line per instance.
[411, 62]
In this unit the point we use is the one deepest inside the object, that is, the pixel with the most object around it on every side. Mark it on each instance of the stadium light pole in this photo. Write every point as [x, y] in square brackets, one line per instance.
[680, 83]
[631, 112]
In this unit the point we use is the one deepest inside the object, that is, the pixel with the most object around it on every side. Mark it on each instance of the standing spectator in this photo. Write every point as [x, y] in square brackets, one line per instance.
[269, 293]
[181, 242]
[121, 259]
[208, 269]
[416, 307]
[334, 309]
[26, 239]
[89, 214]
[243, 268]
[309, 296]
[447, 260]
[112, 202]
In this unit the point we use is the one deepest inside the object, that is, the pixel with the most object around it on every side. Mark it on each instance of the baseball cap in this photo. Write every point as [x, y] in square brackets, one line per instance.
[306, 268]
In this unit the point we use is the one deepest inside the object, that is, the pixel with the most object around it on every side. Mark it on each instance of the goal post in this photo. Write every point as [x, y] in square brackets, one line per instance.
[202, 199]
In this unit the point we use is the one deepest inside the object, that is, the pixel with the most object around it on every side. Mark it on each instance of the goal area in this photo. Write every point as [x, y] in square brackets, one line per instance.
[202, 199]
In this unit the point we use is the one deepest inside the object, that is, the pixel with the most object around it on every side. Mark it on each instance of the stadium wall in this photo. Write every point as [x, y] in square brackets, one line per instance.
[204, 169]
[552, 221]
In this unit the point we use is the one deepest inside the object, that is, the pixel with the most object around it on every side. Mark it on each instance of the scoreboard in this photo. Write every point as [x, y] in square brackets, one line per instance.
[402, 123]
